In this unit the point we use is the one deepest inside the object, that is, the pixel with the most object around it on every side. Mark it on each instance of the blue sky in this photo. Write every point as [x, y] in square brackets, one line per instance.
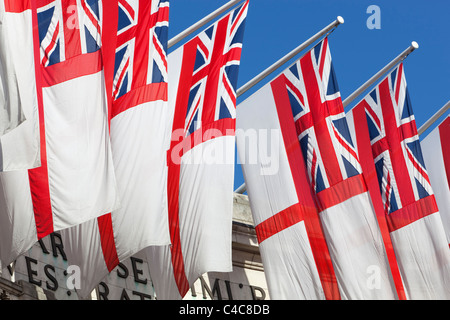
[275, 27]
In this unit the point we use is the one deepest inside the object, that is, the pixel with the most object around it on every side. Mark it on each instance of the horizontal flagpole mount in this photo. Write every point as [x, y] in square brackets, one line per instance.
[187, 32]
[434, 118]
[339, 20]
[414, 45]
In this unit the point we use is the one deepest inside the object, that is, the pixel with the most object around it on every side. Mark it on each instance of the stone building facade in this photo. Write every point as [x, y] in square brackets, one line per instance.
[41, 273]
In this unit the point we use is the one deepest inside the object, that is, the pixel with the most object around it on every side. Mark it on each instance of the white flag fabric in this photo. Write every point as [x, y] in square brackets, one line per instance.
[436, 153]
[19, 147]
[140, 136]
[386, 118]
[202, 91]
[309, 89]
[285, 214]
[11, 108]
[19, 119]
[76, 181]
[18, 230]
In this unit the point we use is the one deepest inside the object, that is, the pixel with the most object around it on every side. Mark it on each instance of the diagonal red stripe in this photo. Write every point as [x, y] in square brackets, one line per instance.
[51, 46]
[399, 80]
[218, 60]
[91, 17]
[127, 7]
[394, 141]
[322, 57]
[241, 12]
[122, 75]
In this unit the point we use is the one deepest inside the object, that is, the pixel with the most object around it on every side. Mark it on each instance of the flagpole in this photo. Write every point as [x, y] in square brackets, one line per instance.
[289, 56]
[433, 119]
[339, 20]
[241, 189]
[414, 45]
[201, 23]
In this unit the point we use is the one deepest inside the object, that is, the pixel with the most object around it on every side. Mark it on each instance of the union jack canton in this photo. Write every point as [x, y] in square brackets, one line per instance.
[141, 54]
[401, 172]
[320, 120]
[212, 95]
